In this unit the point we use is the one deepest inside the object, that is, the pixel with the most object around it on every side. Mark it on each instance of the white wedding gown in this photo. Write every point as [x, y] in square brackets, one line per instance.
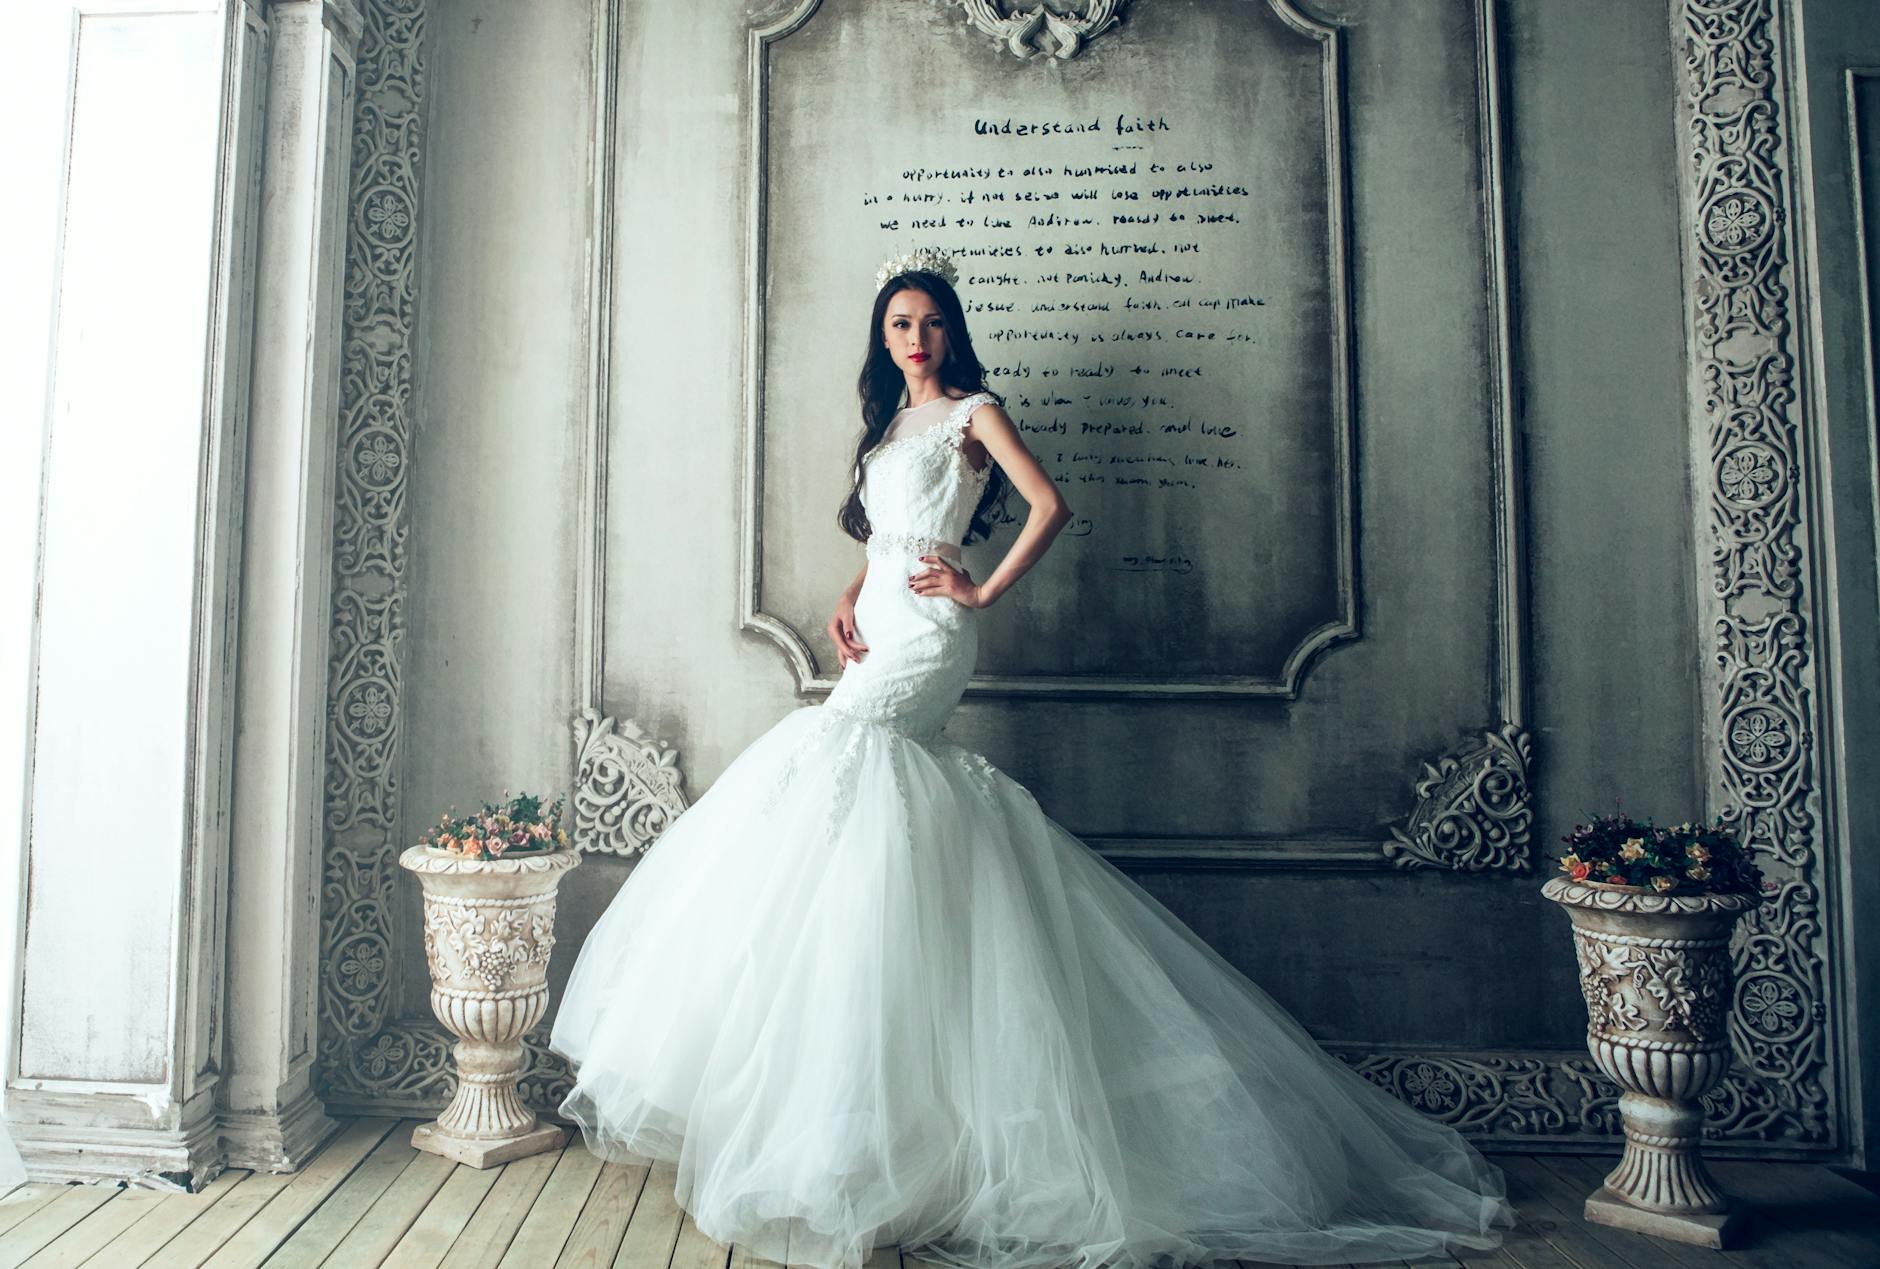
[866, 992]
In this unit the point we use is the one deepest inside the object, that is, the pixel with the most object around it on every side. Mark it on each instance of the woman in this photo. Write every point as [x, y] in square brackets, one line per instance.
[866, 992]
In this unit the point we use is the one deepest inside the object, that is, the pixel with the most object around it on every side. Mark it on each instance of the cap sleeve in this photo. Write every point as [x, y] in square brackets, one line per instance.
[954, 425]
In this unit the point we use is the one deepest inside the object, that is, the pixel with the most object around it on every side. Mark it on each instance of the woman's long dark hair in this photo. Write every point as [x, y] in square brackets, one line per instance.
[881, 386]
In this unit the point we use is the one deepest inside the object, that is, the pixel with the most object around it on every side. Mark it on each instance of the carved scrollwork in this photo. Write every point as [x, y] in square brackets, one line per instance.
[1473, 1093]
[363, 1052]
[1044, 27]
[627, 786]
[1473, 809]
[1749, 430]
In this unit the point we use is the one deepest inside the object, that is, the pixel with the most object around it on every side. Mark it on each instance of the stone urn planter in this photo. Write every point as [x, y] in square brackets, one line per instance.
[489, 925]
[1656, 973]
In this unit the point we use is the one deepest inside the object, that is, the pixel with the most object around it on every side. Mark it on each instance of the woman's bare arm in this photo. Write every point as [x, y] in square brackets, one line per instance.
[995, 431]
[842, 626]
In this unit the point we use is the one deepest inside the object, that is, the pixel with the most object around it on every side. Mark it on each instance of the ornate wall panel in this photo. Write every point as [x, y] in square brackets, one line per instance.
[1467, 810]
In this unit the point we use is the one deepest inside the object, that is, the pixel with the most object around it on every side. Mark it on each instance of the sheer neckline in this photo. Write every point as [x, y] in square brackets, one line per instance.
[951, 424]
[897, 428]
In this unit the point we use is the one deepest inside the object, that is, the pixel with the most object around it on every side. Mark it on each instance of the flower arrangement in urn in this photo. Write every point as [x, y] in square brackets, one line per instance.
[1652, 911]
[519, 824]
[1689, 858]
[489, 881]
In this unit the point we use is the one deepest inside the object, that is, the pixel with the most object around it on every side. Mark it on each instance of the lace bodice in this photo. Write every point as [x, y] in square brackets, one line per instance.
[919, 485]
[919, 491]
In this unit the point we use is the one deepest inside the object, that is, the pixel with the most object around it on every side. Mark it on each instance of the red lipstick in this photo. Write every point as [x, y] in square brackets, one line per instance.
[917, 357]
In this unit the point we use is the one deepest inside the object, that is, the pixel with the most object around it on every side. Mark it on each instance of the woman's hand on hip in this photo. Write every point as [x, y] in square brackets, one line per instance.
[945, 579]
[849, 646]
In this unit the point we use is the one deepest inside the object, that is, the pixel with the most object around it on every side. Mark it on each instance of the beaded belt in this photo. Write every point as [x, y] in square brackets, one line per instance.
[910, 544]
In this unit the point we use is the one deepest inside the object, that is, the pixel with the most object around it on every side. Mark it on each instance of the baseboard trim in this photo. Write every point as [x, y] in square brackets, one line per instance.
[153, 1158]
[278, 1140]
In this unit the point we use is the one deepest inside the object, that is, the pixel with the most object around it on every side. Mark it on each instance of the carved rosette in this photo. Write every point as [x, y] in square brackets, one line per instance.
[1043, 28]
[1655, 971]
[1473, 809]
[627, 786]
[1751, 457]
[489, 927]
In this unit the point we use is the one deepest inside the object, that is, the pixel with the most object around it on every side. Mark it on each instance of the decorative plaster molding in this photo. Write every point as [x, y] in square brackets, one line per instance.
[364, 714]
[1482, 819]
[1473, 809]
[1063, 34]
[590, 616]
[1757, 529]
[627, 786]
[1513, 1094]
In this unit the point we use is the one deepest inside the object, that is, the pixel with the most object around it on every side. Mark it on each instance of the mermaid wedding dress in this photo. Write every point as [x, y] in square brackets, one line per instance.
[866, 992]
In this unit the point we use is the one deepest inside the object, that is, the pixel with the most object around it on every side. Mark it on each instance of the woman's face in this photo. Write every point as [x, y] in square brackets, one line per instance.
[915, 334]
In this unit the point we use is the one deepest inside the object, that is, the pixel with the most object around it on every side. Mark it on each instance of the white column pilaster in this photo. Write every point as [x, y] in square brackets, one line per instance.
[271, 1118]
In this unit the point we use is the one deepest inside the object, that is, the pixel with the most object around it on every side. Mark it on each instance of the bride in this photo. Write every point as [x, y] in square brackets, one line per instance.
[866, 992]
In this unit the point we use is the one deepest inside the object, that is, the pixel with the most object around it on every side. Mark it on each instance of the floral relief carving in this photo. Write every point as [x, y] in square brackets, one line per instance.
[1430, 1087]
[1621, 978]
[485, 941]
[1607, 1007]
[1688, 993]
[1771, 1007]
[379, 459]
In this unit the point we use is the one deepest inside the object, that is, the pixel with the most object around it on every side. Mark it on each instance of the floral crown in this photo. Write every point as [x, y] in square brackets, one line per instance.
[919, 260]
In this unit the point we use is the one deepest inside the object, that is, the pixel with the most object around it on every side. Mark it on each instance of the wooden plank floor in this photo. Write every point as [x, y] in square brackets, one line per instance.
[369, 1199]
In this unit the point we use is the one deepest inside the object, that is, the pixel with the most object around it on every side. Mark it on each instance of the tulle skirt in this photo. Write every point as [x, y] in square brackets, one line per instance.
[866, 992]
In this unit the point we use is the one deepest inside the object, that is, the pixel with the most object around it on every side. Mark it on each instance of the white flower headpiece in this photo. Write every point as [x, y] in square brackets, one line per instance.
[919, 260]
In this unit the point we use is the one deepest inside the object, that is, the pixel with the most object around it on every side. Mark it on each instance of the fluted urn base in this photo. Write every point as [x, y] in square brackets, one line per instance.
[1661, 1186]
[488, 928]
